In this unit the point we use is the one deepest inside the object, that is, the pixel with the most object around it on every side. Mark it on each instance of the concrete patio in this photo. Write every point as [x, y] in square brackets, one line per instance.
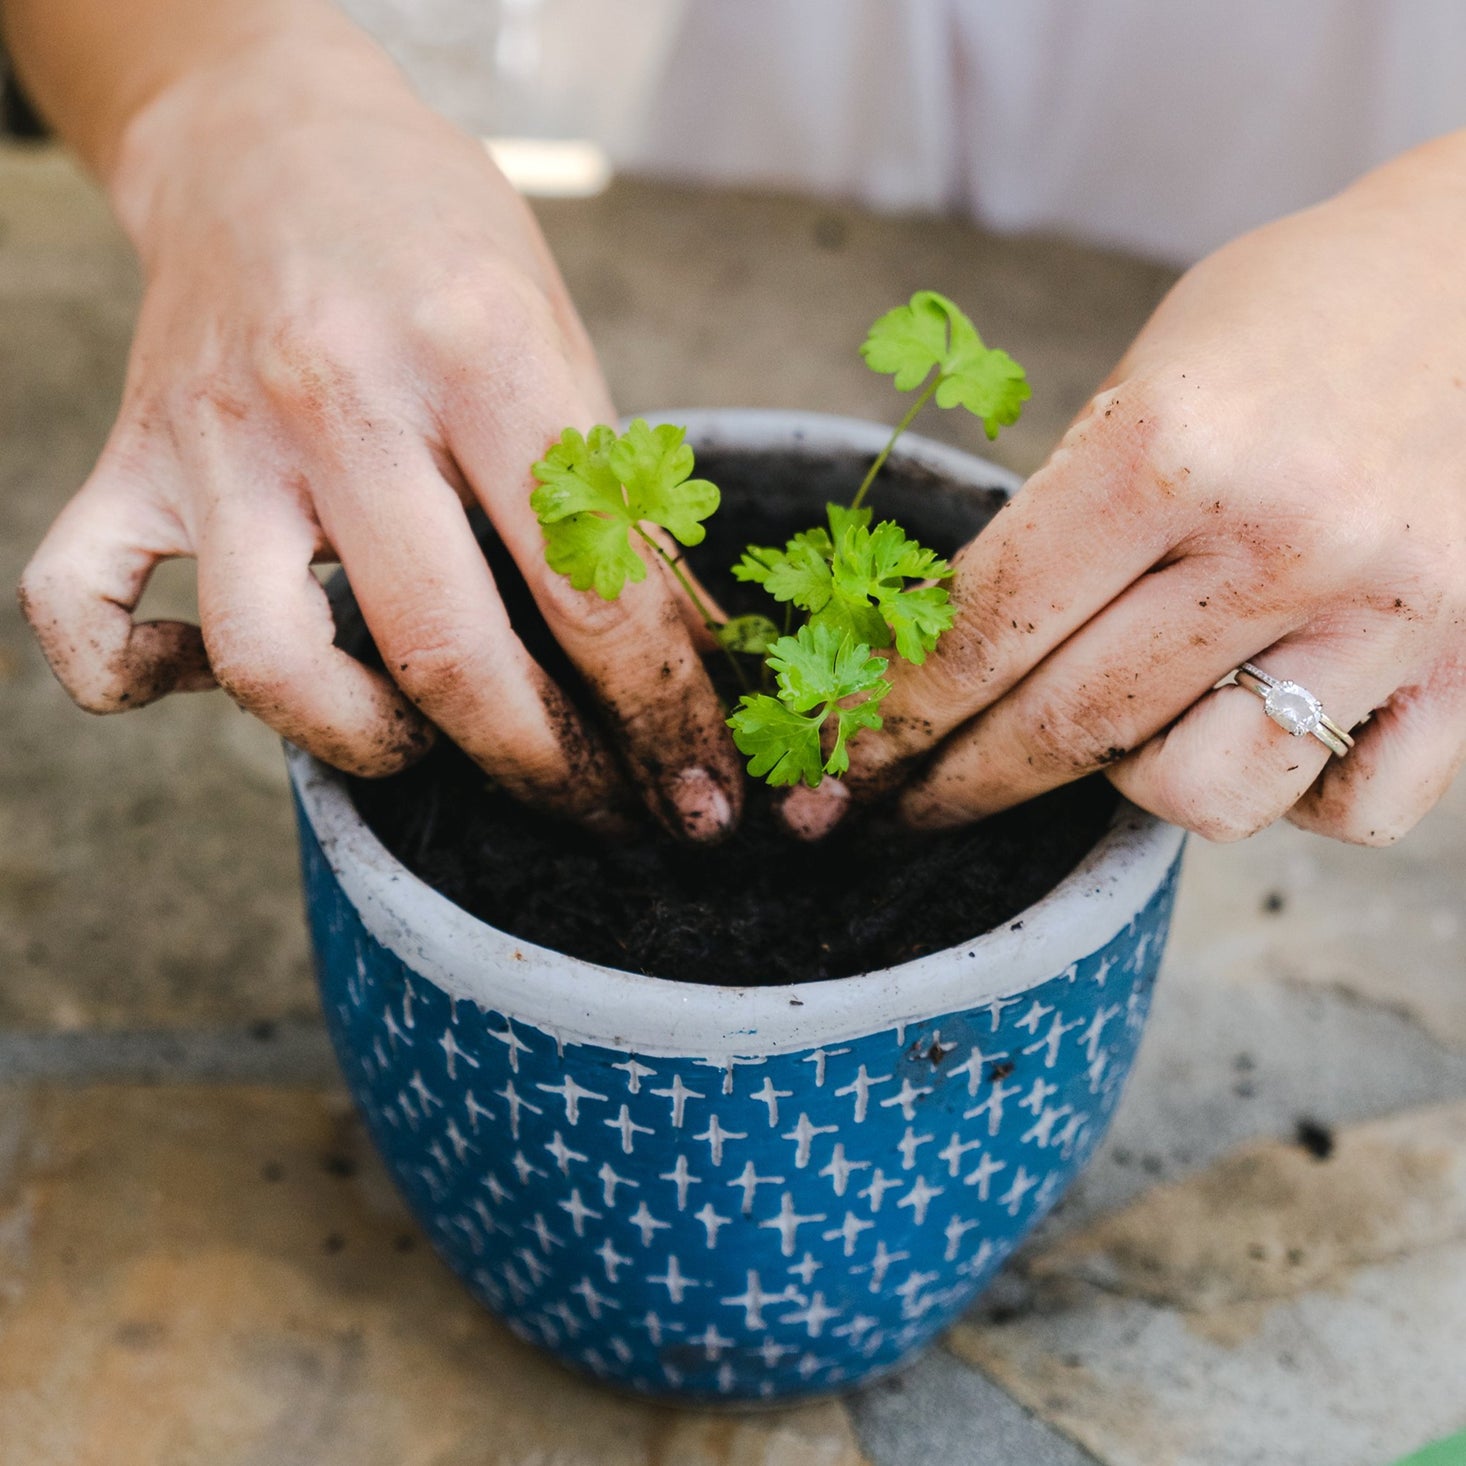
[200, 1259]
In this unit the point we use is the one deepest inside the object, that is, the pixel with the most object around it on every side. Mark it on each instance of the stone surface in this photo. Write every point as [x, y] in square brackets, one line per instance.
[1385, 928]
[149, 921]
[146, 873]
[941, 1411]
[1275, 1219]
[1278, 1307]
[225, 1275]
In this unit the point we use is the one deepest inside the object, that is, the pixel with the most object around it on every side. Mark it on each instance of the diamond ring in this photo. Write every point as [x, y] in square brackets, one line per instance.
[1293, 708]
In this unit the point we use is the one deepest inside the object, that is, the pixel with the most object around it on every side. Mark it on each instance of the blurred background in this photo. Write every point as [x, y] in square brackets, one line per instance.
[198, 1257]
[1165, 129]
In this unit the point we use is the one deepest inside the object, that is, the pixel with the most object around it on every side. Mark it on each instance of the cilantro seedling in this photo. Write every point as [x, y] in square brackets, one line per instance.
[867, 591]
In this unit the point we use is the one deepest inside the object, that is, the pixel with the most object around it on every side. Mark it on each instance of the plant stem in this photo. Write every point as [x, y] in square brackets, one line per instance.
[885, 452]
[707, 619]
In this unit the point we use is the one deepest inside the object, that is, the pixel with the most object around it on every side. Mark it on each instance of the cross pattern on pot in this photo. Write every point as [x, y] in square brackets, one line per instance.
[733, 1226]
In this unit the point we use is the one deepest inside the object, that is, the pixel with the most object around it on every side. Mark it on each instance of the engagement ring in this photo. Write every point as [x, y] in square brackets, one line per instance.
[1293, 708]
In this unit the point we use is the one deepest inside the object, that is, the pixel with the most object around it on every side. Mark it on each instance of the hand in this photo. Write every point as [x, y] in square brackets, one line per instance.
[351, 330]
[1274, 473]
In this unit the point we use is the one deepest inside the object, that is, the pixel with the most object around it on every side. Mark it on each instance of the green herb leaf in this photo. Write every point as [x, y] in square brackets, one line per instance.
[988, 383]
[753, 634]
[782, 746]
[917, 618]
[849, 722]
[654, 464]
[878, 563]
[932, 332]
[756, 564]
[843, 518]
[818, 665]
[582, 507]
[595, 490]
[817, 669]
[800, 572]
[848, 615]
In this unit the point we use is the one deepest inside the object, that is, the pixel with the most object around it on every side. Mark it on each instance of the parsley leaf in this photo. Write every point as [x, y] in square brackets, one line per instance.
[818, 664]
[754, 634]
[782, 746]
[917, 618]
[655, 464]
[932, 332]
[800, 572]
[595, 490]
[816, 669]
[852, 580]
[871, 568]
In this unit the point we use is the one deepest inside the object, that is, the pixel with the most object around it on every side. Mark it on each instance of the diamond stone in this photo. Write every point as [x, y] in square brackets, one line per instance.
[1293, 708]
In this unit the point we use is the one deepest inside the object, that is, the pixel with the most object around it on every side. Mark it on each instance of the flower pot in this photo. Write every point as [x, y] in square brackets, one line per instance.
[713, 1192]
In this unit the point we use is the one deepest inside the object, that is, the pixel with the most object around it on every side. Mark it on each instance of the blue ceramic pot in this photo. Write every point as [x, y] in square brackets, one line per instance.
[723, 1193]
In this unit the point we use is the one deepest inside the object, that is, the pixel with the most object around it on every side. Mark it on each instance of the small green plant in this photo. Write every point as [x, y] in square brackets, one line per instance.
[864, 590]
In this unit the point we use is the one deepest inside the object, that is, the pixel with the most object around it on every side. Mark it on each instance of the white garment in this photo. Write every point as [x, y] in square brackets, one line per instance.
[1165, 126]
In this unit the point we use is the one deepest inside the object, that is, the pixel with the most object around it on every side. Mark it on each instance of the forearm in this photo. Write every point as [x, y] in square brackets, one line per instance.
[91, 66]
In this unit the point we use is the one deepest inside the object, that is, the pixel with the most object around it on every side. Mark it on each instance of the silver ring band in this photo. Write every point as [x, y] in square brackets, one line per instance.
[1293, 708]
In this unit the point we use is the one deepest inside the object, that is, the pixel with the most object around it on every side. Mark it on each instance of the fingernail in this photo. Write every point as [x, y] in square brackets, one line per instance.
[810, 814]
[703, 809]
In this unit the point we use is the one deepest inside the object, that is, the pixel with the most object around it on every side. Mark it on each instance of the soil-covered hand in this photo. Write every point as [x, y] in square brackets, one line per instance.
[1275, 473]
[352, 331]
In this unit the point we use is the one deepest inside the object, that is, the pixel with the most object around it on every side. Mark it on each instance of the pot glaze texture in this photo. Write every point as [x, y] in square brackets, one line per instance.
[718, 1193]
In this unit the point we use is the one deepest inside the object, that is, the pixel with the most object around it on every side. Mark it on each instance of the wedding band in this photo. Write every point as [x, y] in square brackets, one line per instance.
[1293, 708]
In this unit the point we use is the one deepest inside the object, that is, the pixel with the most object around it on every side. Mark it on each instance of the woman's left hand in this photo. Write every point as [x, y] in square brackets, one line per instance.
[1275, 473]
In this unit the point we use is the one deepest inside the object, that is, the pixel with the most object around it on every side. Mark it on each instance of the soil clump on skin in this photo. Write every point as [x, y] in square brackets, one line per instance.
[760, 908]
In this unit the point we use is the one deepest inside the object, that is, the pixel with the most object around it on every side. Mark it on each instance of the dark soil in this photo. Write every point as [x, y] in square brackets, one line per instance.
[760, 908]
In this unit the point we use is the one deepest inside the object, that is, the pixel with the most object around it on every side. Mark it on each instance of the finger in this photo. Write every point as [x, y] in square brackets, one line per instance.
[1403, 761]
[1094, 518]
[1226, 770]
[635, 652]
[1108, 689]
[82, 585]
[270, 636]
[444, 635]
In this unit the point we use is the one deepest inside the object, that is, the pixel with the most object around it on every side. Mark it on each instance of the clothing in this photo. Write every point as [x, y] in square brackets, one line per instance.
[1164, 126]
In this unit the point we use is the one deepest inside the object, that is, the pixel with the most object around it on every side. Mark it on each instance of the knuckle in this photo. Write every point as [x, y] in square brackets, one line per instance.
[434, 663]
[92, 680]
[1226, 823]
[1139, 430]
[1216, 811]
[1305, 525]
[34, 596]
[950, 687]
[586, 617]
[100, 689]
[489, 314]
[1340, 814]
[315, 366]
[255, 672]
[1072, 734]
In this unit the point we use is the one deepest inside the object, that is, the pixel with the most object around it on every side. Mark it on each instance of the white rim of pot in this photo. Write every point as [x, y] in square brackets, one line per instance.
[584, 1002]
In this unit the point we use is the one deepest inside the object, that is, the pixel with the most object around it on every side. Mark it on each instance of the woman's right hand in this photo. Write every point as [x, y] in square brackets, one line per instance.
[352, 329]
